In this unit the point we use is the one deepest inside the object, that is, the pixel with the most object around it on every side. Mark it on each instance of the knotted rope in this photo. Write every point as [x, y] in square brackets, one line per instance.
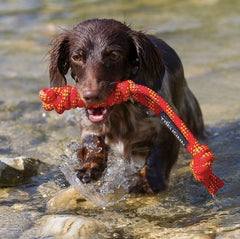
[65, 98]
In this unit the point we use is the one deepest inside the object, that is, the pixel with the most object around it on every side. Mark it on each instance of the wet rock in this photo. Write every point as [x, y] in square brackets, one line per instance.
[68, 200]
[16, 171]
[48, 189]
[12, 195]
[71, 227]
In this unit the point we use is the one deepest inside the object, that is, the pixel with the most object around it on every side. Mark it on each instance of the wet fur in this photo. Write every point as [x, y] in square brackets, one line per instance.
[130, 128]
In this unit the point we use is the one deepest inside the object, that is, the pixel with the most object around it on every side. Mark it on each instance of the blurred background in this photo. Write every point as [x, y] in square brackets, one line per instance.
[205, 34]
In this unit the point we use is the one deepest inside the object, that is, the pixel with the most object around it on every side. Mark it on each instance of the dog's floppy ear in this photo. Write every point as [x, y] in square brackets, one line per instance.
[150, 61]
[59, 60]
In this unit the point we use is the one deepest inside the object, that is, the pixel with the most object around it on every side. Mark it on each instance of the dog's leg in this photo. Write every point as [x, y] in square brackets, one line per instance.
[93, 158]
[154, 176]
[159, 164]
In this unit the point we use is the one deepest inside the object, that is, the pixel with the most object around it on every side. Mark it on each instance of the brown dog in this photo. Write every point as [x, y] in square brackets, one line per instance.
[100, 53]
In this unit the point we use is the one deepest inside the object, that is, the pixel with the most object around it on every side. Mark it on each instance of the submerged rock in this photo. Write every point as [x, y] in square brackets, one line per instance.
[16, 171]
[12, 195]
[48, 189]
[68, 200]
[71, 227]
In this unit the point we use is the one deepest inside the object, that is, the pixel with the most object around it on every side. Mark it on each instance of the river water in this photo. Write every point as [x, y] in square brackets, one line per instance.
[206, 36]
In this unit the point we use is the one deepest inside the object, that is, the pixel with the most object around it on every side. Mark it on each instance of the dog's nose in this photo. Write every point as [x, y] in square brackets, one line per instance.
[91, 96]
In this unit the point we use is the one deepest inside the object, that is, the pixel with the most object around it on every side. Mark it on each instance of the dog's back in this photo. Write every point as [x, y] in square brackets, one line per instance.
[176, 91]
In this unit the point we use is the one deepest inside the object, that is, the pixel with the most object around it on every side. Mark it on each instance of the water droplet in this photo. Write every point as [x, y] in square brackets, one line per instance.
[113, 185]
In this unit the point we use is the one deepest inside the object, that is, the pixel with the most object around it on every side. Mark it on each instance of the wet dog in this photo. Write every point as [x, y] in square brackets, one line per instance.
[100, 52]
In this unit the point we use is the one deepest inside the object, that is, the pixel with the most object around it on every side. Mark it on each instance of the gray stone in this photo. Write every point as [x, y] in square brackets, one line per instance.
[16, 171]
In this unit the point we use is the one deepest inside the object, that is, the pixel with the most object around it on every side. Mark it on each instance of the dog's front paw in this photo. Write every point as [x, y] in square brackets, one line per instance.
[91, 169]
[92, 157]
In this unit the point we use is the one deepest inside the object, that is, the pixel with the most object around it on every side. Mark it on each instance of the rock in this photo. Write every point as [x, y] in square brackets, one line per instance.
[48, 189]
[13, 194]
[71, 226]
[16, 171]
[68, 200]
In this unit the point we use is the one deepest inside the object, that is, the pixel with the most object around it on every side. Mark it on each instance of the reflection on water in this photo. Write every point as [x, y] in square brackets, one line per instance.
[206, 36]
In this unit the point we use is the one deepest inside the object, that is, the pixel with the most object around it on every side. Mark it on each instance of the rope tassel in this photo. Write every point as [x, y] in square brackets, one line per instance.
[201, 166]
[65, 98]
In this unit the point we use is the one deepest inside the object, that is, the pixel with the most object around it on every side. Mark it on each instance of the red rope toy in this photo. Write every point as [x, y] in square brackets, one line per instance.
[65, 98]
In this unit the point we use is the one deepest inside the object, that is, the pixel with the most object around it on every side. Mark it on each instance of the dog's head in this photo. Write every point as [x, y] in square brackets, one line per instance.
[99, 53]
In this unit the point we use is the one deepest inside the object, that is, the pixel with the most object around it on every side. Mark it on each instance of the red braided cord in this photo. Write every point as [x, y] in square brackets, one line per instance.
[66, 97]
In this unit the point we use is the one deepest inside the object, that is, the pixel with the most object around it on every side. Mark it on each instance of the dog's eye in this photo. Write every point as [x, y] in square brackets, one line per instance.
[114, 56]
[78, 56]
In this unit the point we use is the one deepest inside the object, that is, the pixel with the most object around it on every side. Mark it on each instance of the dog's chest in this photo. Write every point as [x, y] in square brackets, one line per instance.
[131, 129]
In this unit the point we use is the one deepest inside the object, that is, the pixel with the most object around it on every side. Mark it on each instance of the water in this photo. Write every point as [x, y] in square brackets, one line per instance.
[113, 185]
[206, 36]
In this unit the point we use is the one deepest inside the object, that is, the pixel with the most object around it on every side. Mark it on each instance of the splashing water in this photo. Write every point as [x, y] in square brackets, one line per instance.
[112, 187]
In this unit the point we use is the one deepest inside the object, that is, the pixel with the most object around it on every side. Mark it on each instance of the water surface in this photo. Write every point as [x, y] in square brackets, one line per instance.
[206, 36]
